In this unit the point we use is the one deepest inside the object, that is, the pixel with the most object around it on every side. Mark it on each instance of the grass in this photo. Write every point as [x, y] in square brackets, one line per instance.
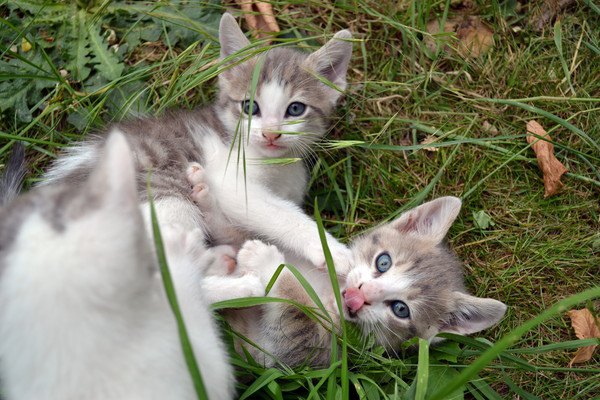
[538, 252]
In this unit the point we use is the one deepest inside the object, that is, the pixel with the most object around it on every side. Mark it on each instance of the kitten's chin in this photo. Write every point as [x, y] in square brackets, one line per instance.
[273, 150]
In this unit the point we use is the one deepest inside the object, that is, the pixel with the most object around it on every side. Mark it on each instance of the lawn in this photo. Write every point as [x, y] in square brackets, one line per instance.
[418, 121]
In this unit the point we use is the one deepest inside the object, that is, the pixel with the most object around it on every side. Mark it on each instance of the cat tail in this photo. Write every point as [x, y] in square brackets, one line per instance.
[12, 177]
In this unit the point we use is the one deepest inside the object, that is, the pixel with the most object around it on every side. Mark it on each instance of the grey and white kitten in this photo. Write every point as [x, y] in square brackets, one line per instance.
[83, 311]
[261, 200]
[404, 282]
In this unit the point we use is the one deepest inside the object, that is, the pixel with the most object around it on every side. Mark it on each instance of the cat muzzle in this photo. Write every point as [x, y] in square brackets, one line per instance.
[354, 299]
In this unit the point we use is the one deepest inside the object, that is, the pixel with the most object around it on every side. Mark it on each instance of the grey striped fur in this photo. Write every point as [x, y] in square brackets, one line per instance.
[13, 174]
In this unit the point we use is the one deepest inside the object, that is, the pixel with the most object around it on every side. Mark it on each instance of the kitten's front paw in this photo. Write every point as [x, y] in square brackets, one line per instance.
[341, 255]
[220, 260]
[252, 285]
[195, 173]
[259, 257]
[181, 243]
[200, 193]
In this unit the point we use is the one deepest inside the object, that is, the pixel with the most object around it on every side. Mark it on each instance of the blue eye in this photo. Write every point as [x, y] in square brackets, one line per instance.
[250, 108]
[383, 262]
[295, 109]
[400, 309]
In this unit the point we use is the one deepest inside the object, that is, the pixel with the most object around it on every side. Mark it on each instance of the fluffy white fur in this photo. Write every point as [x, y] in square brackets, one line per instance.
[83, 313]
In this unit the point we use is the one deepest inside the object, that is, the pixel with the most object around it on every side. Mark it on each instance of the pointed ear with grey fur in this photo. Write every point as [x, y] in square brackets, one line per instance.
[472, 314]
[231, 37]
[331, 61]
[430, 221]
[114, 178]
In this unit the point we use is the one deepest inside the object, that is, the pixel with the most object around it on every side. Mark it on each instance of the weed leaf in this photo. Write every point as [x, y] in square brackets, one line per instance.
[106, 61]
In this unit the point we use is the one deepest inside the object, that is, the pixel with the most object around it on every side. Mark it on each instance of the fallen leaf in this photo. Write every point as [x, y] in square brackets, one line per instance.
[552, 169]
[259, 17]
[474, 37]
[483, 219]
[489, 128]
[428, 140]
[25, 45]
[547, 11]
[586, 327]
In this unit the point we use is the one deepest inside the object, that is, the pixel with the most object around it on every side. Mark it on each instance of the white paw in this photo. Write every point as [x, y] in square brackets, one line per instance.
[181, 243]
[341, 255]
[220, 260]
[259, 257]
[195, 173]
[201, 195]
[251, 286]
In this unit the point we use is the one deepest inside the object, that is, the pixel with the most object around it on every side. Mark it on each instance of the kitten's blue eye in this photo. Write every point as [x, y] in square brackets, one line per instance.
[296, 109]
[383, 262]
[400, 309]
[250, 108]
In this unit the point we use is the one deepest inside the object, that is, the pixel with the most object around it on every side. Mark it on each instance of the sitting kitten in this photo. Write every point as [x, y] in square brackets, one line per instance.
[258, 200]
[404, 282]
[83, 311]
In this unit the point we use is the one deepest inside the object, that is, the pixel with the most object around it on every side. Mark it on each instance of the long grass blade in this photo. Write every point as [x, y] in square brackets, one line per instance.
[186, 345]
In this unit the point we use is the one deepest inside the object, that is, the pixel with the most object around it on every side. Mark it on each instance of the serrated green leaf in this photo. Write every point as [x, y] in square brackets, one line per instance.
[78, 48]
[106, 61]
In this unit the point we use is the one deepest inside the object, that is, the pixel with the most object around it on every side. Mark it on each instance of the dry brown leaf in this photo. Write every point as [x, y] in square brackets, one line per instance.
[585, 327]
[474, 37]
[428, 140]
[489, 128]
[552, 169]
[259, 17]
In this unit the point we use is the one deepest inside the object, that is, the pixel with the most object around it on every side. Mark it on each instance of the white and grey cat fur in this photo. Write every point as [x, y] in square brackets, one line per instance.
[262, 200]
[404, 282]
[83, 311]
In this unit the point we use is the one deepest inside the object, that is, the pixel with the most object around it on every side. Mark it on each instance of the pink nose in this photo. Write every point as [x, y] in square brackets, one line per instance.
[270, 136]
[354, 299]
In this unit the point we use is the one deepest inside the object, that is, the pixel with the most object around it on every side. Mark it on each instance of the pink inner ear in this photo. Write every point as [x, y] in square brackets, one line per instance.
[408, 225]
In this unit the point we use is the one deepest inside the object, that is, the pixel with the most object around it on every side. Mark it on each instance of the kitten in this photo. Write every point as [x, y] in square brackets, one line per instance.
[259, 200]
[404, 282]
[83, 311]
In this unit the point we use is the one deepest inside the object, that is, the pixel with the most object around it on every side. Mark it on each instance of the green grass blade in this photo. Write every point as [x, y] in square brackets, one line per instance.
[550, 116]
[513, 336]
[269, 376]
[422, 370]
[336, 291]
[186, 346]
[563, 62]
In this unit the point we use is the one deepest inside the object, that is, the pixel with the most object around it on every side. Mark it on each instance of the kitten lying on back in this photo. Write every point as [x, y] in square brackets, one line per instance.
[261, 199]
[403, 282]
[83, 313]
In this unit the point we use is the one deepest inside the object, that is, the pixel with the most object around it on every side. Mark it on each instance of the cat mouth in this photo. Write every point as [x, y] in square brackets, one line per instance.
[273, 146]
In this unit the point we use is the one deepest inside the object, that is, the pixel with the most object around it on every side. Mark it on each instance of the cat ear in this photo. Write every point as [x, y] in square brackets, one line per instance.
[331, 60]
[114, 178]
[231, 36]
[430, 221]
[472, 314]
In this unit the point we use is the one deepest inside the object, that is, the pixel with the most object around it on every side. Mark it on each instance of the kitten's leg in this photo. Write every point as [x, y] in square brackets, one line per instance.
[221, 288]
[185, 250]
[261, 258]
[280, 221]
[200, 192]
[288, 333]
